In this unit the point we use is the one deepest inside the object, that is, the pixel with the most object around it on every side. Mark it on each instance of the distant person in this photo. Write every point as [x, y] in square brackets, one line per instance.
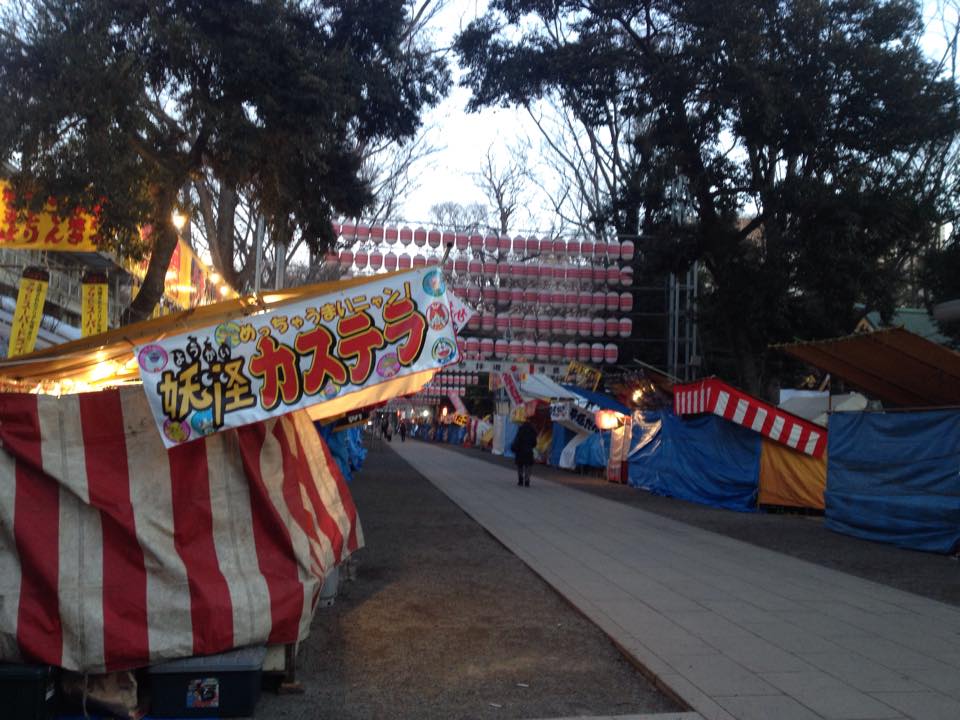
[522, 447]
[403, 430]
[385, 429]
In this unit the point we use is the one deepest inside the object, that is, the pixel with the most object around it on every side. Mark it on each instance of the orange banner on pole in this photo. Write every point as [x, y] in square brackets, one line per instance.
[50, 230]
[29, 311]
[93, 305]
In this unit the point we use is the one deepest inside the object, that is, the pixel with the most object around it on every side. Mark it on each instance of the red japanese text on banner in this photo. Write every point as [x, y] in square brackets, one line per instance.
[298, 355]
[29, 311]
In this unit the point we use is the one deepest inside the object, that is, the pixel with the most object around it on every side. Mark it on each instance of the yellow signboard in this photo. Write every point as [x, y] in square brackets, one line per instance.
[461, 420]
[50, 230]
[582, 376]
[29, 311]
[93, 305]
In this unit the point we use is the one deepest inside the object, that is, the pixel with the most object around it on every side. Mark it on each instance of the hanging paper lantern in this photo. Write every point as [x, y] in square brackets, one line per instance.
[530, 295]
[502, 323]
[570, 325]
[335, 226]
[476, 242]
[613, 327]
[529, 348]
[390, 235]
[543, 350]
[613, 300]
[489, 294]
[586, 249]
[500, 347]
[610, 353]
[503, 296]
[599, 299]
[433, 261]
[531, 270]
[570, 351]
[348, 231]
[626, 276]
[599, 275]
[583, 352]
[556, 324]
[460, 265]
[613, 251]
[613, 275]
[361, 258]
[473, 293]
[406, 235]
[376, 260]
[529, 322]
[556, 350]
[626, 302]
[573, 247]
[570, 298]
[503, 244]
[533, 245]
[419, 237]
[363, 232]
[390, 261]
[433, 238]
[486, 347]
[490, 268]
[597, 353]
[627, 250]
[597, 326]
[516, 348]
[474, 322]
[376, 234]
[462, 241]
[405, 262]
[519, 245]
[476, 267]
[543, 324]
[448, 267]
[346, 258]
[490, 243]
[516, 295]
[626, 327]
[560, 247]
[584, 273]
[419, 261]
[599, 250]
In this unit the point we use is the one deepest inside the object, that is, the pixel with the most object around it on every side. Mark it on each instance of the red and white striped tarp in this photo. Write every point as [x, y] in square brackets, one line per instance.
[116, 553]
[715, 396]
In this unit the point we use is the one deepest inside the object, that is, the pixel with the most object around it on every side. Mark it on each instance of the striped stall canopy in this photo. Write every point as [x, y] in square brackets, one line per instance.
[715, 396]
[116, 553]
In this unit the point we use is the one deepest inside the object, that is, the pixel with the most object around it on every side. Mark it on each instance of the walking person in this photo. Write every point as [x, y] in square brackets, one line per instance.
[403, 430]
[522, 446]
[385, 428]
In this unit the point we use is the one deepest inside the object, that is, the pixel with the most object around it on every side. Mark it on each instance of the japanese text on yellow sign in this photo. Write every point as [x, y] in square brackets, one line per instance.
[52, 229]
[26, 316]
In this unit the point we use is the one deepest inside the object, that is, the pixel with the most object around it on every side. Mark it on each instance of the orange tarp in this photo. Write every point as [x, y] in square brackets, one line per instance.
[791, 478]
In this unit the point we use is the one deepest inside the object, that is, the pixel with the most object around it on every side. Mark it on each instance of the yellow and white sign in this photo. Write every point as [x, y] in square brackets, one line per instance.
[53, 229]
[93, 306]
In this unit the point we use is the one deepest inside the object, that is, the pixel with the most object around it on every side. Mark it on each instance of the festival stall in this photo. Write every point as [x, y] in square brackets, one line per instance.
[163, 491]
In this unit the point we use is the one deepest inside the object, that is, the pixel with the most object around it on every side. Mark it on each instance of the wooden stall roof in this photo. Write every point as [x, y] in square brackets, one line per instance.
[893, 365]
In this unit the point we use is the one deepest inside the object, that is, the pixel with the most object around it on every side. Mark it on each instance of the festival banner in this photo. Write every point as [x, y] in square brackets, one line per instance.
[583, 376]
[299, 354]
[50, 230]
[29, 311]
[513, 392]
[458, 405]
[93, 304]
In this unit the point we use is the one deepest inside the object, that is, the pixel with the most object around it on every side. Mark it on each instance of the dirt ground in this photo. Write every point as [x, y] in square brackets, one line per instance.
[443, 622]
[802, 536]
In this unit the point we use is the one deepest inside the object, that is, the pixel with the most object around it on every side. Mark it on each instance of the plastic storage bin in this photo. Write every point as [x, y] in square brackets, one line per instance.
[225, 685]
[27, 692]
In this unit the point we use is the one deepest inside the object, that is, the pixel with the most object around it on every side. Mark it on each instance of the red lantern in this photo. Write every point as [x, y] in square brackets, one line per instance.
[613, 300]
[473, 293]
[503, 296]
[490, 243]
[376, 260]
[583, 352]
[597, 327]
[419, 261]
[543, 350]
[570, 298]
[533, 245]
[363, 232]
[626, 327]
[610, 353]
[626, 276]
[348, 231]
[433, 261]
[405, 262]
[556, 350]
[599, 275]
[596, 353]
[570, 351]
[419, 237]
[626, 302]
[570, 325]
[346, 258]
[599, 250]
[502, 323]
[530, 296]
[613, 275]
[573, 247]
[530, 322]
[516, 295]
[460, 265]
[516, 348]
[599, 300]
[390, 235]
[406, 235]
[376, 234]
[556, 324]
[489, 294]
[433, 238]
[586, 249]
[331, 258]
[626, 250]
[613, 327]
[503, 244]
[490, 269]
[476, 267]
[390, 261]
[519, 245]
[486, 347]
[543, 324]
[501, 347]
[584, 326]
[474, 322]
[529, 348]
[462, 241]
[476, 242]
[560, 247]
[473, 345]
[516, 321]
[556, 298]
[448, 239]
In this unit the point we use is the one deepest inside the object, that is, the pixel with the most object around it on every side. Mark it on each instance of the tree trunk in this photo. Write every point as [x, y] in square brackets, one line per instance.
[164, 237]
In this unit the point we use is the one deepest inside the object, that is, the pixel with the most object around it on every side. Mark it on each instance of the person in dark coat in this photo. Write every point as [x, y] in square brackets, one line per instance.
[403, 430]
[523, 445]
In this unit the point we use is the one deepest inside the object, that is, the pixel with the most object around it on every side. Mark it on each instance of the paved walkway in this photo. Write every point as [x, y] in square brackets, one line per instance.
[729, 629]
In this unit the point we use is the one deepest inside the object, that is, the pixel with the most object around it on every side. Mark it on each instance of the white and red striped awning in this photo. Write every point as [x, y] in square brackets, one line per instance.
[116, 553]
[715, 396]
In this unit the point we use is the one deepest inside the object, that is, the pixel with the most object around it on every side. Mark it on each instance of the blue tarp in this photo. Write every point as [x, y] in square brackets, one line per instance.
[509, 433]
[594, 451]
[456, 435]
[706, 460]
[558, 441]
[893, 478]
[601, 400]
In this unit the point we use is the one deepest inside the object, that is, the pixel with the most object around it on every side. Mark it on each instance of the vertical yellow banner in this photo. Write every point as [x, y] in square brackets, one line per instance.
[93, 305]
[29, 311]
